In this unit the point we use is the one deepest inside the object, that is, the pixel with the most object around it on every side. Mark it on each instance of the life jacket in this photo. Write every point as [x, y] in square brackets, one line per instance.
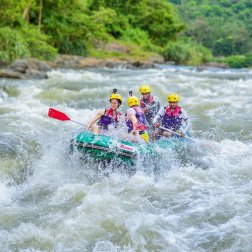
[141, 123]
[143, 102]
[171, 118]
[154, 109]
[109, 118]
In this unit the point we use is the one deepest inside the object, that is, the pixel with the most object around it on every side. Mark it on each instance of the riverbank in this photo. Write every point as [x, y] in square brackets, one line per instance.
[35, 69]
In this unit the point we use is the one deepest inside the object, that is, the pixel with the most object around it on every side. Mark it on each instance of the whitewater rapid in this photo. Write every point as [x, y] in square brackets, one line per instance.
[53, 201]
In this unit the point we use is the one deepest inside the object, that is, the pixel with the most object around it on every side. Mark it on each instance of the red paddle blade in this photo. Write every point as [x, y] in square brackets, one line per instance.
[57, 115]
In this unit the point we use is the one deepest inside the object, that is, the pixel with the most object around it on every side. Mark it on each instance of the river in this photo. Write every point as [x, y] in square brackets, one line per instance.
[53, 201]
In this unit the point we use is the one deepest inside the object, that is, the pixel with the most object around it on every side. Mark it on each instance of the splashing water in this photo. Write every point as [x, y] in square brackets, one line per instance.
[201, 200]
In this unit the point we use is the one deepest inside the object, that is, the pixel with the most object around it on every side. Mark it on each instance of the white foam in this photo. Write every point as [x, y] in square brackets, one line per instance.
[200, 199]
[5, 194]
[72, 75]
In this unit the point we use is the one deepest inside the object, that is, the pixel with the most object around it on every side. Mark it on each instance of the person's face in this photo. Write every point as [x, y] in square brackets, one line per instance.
[173, 105]
[146, 95]
[114, 104]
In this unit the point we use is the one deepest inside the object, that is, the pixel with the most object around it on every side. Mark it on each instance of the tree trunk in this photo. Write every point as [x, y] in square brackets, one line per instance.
[40, 13]
[25, 15]
[26, 12]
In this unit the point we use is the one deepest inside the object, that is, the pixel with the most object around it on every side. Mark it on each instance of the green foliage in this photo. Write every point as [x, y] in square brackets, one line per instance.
[234, 40]
[26, 42]
[11, 12]
[185, 52]
[81, 27]
[200, 31]
[135, 52]
[239, 61]
[156, 17]
[12, 45]
[38, 43]
[108, 21]
[69, 31]
[223, 26]
[177, 52]
[159, 21]
[224, 46]
[77, 26]
[248, 59]
[137, 36]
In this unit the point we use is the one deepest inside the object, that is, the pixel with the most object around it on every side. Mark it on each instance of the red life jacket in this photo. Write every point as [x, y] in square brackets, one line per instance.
[173, 112]
[143, 102]
[171, 119]
[109, 118]
[110, 111]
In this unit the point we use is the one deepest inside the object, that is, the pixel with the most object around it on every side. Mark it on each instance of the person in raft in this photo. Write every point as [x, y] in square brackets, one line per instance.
[135, 119]
[171, 117]
[106, 117]
[149, 104]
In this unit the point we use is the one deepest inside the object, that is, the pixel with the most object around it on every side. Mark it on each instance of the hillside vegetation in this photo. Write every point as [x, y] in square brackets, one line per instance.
[223, 26]
[187, 32]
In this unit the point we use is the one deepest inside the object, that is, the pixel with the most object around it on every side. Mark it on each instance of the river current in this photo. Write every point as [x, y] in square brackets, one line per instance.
[201, 200]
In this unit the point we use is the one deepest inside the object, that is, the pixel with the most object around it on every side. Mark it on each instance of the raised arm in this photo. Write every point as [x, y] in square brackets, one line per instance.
[159, 115]
[95, 118]
[186, 120]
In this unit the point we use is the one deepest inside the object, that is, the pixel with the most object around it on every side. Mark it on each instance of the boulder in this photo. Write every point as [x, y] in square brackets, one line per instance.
[7, 73]
[21, 65]
[142, 64]
[157, 59]
[26, 69]
[90, 62]
[35, 74]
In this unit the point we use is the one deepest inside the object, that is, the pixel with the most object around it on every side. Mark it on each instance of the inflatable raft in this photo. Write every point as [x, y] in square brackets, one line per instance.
[102, 147]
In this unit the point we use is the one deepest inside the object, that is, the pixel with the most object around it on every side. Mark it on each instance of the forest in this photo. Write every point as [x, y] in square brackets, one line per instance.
[223, 26]
[188, 32]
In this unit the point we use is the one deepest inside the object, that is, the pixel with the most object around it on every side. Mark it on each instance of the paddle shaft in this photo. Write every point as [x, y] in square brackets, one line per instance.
[175, 133]
[78, 122]
[56, 114]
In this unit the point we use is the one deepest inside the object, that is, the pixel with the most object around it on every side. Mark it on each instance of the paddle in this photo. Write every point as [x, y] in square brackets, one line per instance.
[53, 113]
[176, 133]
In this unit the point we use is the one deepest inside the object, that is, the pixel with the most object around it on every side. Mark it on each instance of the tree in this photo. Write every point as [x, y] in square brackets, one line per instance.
[201, 31]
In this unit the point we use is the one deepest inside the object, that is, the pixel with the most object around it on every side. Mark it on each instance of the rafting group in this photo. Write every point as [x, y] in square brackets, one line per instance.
[144, 118]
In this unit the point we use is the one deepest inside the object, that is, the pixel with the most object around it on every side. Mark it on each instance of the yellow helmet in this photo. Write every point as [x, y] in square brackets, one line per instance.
[133, 101]
[145, 89]
[117, 97]
[173, 98]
